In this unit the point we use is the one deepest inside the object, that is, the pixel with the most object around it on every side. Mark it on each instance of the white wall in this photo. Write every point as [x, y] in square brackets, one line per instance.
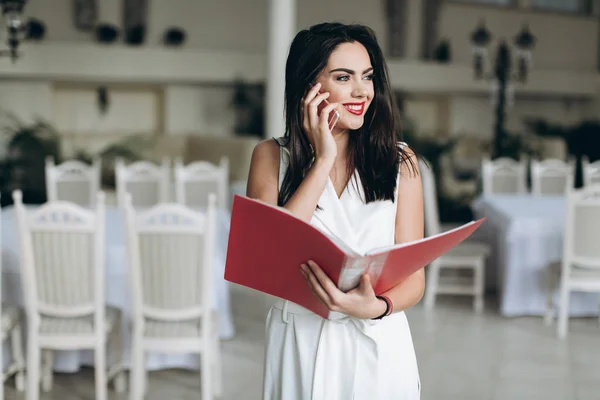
[129, 111]
[563, 41]
[210, 24]
[26, 100]
[475, 115]
[240, 26]
[190, 109]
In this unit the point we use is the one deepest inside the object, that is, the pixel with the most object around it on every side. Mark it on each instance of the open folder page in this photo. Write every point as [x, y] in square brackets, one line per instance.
[267, 244]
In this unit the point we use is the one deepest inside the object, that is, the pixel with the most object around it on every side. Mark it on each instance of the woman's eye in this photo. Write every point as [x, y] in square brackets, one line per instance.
[369, 77]
[343, 78]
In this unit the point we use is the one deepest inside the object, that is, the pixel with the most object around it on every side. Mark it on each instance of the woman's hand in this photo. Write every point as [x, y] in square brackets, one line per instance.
[360, 302]
[316, 125]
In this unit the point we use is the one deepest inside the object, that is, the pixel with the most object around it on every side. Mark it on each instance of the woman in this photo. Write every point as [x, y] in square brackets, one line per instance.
[354, 181]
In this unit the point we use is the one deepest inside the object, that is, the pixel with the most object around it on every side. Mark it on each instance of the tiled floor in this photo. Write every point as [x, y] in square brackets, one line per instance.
[461, 356]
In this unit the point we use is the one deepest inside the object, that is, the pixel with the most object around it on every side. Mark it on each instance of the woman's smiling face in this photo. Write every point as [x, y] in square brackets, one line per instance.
[348, 77]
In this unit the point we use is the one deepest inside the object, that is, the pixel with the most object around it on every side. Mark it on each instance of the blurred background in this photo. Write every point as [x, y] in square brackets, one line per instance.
[501, 97]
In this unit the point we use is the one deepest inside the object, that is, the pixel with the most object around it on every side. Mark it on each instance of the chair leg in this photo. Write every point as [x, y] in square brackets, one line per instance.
[100, 370]
[18, 357]
[598, 309]
[479, 282]
[206, 375]
[2, 373]
[563, 311]
[138, 369]
[218, 368]
[432, 285]
[47, 364]
[33, 368]
[117, 370]
[550, 309]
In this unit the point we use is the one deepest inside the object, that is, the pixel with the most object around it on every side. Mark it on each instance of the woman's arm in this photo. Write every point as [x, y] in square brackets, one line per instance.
[409, 227]
[264, 166]
[263, 180]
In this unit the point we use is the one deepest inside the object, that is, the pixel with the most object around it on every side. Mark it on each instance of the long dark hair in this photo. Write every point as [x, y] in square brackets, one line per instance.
[372, 149]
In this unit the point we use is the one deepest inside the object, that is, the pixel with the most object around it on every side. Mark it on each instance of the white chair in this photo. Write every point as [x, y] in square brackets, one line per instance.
[170, 251]
[11, 328]
[580, 266]
[63, 273]
[73, 181]
[591, 172]
[195, 181]
[147, 182]
[468, 255]
[504, 176]
[551, 176]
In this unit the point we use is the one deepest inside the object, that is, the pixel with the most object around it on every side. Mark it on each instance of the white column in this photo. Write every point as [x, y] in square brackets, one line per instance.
[282, 28]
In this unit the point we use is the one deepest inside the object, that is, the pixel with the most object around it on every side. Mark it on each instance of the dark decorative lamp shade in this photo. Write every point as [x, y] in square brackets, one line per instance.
[106, 33]
[135, 35]
[35, 29]
[524, 41]
[480, 38]
[174, 37]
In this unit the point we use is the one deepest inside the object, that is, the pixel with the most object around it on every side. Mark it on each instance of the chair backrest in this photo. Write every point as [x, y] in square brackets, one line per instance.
[73, 181]
[551, 176]
[430, 203]
[591, 172]
[503, 176]
[147, 182]
[582, 228]
[62, 259]
[194, 182]
[171, 253]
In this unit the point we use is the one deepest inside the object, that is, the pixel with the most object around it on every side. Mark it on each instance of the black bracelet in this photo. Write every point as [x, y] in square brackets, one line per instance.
[387, 307]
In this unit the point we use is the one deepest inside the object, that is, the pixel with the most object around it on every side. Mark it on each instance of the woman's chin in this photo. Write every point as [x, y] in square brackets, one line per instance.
[352, 125]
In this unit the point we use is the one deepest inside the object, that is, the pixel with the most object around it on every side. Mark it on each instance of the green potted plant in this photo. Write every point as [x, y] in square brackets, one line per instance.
[26, 147]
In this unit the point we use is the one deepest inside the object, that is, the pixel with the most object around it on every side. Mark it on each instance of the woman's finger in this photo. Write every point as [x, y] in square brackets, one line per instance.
[313, 109]
[316, 287]
[324, 117]
[311, 94]
[325, 282]
[306, 113]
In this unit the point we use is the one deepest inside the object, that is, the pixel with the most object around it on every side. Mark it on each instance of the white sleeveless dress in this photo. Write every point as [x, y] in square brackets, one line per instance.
[344, 358]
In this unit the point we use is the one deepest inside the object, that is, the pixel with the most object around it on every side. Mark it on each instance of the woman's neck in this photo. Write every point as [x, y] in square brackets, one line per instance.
[341, 140]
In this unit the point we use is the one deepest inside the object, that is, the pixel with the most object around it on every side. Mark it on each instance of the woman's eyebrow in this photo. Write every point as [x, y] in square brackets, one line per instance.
[349, 71]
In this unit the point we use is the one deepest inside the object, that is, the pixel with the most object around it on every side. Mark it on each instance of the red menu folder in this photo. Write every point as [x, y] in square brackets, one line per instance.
[267, 244]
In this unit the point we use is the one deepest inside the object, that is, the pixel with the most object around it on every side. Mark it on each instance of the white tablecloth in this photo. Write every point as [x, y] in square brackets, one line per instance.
[117, 287]
[527, 236]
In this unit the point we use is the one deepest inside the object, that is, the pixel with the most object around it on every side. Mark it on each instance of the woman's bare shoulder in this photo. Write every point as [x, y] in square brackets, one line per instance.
[264, 171]
[266, 153]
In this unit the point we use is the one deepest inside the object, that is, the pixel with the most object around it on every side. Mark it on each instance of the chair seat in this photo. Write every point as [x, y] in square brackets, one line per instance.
[10, 318]
[468, 249]
[179, 329]
[78, 326]
[576, 273]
